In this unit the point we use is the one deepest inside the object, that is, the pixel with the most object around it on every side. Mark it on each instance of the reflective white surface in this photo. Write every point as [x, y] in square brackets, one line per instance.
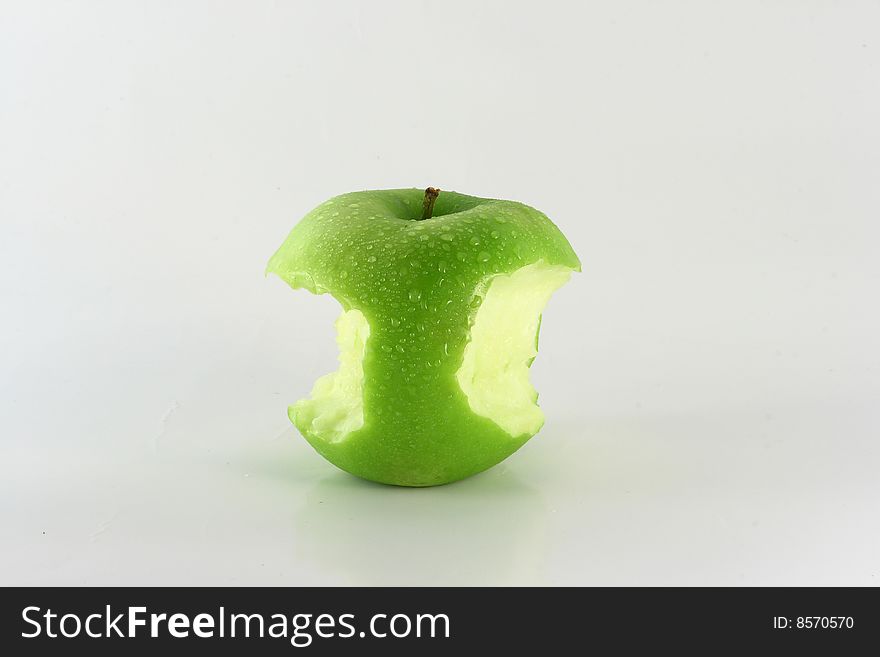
[710, 381]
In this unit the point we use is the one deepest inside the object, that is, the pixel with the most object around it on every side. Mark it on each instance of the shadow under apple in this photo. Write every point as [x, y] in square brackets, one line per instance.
[486, 530]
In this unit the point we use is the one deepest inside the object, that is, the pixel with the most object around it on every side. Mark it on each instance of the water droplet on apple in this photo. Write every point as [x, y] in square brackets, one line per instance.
[371, 259]
[414, 295]
[475, 240]
[441, 266]
[495, 234]
[399, 348]
[448, 237]
[483, 256]
[395, 321]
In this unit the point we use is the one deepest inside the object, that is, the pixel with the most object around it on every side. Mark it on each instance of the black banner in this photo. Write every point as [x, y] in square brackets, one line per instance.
[115, 621]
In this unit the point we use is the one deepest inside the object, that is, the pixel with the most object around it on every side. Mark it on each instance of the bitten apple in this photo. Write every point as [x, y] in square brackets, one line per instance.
[442, 296]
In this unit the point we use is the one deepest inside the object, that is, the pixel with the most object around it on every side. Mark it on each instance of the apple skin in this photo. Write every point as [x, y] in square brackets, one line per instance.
[416, 283]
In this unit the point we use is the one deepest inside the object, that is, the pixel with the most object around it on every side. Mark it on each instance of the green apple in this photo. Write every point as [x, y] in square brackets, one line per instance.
[442, 296]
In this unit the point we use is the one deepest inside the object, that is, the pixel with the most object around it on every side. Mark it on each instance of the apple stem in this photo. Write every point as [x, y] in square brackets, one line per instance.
[431, 195]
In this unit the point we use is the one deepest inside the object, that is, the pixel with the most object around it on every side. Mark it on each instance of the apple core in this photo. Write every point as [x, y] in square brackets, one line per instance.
[442, 296]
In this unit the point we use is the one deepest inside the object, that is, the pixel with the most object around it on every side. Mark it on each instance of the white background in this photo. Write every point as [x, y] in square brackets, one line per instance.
[710, 381]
